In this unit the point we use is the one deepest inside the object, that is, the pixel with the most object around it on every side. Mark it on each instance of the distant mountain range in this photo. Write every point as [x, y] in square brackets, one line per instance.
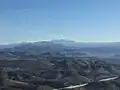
[66, 46]
[68, 43]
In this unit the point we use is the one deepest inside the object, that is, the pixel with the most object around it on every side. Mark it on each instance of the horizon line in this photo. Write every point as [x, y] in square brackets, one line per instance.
[20, 42]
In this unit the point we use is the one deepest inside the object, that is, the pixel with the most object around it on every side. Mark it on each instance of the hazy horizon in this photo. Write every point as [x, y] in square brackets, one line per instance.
[78, 20]
[52, 40]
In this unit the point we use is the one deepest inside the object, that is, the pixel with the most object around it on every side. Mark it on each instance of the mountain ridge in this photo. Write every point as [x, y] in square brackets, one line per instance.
[65, 42]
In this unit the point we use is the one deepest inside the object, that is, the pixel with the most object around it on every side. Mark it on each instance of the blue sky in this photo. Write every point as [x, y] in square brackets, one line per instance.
[79, 20]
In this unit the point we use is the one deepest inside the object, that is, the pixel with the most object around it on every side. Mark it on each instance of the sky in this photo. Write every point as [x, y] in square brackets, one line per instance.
[79, 20]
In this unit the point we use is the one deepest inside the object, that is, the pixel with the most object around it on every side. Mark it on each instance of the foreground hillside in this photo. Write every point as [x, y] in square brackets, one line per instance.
[58, 72]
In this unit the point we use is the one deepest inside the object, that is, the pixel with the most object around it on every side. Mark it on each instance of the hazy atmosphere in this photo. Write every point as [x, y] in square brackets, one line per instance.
[59, 44]
[79, 20]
